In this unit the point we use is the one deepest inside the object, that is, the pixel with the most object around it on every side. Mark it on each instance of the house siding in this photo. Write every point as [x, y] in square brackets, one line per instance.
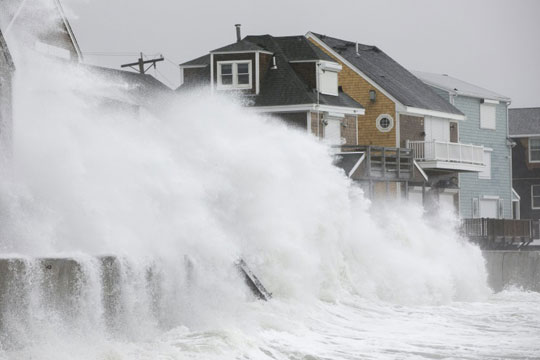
[297, 120]
[358, 88]
[197, 76]
[411, 128]
[265, 62]
[348, 132]
[525, 174]
[470, 132]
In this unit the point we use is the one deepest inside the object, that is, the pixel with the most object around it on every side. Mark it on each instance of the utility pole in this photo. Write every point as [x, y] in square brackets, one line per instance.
[141, 64]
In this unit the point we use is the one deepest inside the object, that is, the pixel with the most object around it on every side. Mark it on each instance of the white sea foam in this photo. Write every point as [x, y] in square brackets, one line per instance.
[205, 178]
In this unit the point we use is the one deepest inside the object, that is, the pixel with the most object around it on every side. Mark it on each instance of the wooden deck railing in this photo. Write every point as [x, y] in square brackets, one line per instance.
[384, 163]
[500, 233]
[447, 151]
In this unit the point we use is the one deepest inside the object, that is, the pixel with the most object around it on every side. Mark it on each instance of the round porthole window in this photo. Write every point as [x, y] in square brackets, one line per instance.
[385, 123]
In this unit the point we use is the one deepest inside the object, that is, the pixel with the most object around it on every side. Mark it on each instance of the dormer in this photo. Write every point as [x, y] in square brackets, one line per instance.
[239, 67]
[320, 75]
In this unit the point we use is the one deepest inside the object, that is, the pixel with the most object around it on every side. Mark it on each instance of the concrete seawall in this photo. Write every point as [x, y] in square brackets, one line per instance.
[517, 268]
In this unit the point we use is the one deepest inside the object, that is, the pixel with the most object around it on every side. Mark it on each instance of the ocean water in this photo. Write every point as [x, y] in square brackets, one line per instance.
[175, 194]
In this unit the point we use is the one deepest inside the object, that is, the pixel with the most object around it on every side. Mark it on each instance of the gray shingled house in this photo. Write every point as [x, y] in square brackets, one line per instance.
[285, 76]
[524, 129]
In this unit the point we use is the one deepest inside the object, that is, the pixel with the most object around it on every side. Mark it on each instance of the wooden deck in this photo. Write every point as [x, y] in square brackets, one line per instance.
[382, 163]
[492, 234]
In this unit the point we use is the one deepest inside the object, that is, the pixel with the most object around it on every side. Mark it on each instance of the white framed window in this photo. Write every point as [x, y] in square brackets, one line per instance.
[488, 116]
[234, 75]
[486, 173]
[535, 196]
[534, 150]
[384, 123]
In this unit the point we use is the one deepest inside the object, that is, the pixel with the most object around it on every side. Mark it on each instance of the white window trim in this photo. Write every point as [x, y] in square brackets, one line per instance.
[532, 198]
[234, 85]
[378, 123]
[529, 150]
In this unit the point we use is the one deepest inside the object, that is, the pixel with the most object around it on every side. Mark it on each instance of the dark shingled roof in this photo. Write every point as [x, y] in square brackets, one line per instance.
[282, 86]
[524, 121]
[242, 45]
[298, 48]
[4, 53]
[391, 76]
[200, 61]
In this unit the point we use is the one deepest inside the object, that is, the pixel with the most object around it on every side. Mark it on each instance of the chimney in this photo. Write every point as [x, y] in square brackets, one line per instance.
[238, 33]
[357, 46]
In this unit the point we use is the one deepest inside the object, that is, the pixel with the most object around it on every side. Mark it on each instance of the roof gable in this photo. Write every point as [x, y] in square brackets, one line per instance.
[400, 83]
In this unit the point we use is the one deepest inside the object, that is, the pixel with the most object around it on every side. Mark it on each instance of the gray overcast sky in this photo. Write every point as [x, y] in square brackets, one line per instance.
[491, 43]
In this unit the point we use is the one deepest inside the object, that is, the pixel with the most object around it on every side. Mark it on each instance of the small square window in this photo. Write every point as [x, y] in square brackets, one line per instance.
[243, 69]
[243, 79]
[226, 69]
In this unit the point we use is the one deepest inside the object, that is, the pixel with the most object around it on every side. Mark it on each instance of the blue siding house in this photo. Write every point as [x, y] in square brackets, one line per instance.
[487, 194]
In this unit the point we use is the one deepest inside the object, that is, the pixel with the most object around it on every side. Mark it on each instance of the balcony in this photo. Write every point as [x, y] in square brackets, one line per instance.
[441, 155]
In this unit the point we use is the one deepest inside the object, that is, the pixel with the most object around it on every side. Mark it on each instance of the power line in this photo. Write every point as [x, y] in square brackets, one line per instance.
[144, 57]
[97, 53]
[165, 78]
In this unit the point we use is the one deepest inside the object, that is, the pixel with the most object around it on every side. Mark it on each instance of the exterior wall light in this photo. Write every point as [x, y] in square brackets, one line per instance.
[372, 96]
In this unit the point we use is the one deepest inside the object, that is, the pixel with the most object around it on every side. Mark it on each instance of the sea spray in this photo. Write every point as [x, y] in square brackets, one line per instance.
[197, 177]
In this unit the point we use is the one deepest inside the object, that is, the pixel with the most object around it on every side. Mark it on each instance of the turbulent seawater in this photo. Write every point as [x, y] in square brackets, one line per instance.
[504, 326]
[200, 180]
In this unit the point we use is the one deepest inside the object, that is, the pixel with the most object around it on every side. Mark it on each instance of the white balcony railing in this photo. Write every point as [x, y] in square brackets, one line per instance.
[447, 151]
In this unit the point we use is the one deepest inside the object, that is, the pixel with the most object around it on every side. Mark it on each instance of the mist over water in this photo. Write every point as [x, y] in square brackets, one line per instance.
[176, 194]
